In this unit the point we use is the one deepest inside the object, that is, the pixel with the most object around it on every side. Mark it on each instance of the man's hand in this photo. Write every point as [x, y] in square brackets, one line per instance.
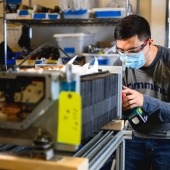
[132, 99]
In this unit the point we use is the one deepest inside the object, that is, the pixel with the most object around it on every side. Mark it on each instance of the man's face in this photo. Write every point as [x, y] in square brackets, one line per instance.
[131, 45]
[135, 52]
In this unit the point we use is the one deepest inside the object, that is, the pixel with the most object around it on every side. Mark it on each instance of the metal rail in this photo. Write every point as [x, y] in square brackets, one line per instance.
[102, 146]
[68, 22]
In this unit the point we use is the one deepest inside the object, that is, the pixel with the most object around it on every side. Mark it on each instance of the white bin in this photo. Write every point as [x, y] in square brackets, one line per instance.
[74, 44]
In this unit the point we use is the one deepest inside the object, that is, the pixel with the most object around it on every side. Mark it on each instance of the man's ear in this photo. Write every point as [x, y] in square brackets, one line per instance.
[150, 41]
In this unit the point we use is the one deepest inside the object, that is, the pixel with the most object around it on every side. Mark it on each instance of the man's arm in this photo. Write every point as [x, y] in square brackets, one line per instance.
[152, 105]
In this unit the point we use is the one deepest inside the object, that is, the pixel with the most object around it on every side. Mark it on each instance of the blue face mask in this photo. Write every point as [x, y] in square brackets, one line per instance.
[133, 61]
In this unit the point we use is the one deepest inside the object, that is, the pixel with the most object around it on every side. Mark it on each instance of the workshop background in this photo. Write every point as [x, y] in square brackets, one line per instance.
[153, 10]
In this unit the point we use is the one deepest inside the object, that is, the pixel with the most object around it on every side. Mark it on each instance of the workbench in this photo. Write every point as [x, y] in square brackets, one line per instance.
[91, 157]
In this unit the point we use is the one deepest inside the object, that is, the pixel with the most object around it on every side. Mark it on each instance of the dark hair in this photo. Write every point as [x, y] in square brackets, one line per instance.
[132, 25]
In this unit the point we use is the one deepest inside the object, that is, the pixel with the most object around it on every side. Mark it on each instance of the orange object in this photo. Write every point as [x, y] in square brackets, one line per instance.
[123, 95]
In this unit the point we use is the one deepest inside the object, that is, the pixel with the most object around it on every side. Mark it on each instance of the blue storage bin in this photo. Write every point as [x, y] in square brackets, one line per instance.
[11, 57]
[13, 1]
[53, 16]
[76, 14]
[23, 12]
[102, 62]
[69, 50]
[109, 12]
[45, 16]
[39, 16]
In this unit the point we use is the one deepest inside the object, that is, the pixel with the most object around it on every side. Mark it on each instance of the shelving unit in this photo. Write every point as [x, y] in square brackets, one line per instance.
[58, 22]
[68, 22]
[5, 36]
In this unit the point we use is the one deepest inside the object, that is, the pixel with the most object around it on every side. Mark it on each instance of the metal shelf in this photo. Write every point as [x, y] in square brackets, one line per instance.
[67, 22]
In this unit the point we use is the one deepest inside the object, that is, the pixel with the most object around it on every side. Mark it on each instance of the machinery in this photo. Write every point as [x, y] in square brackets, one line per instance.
[28, 102]
[29, 105]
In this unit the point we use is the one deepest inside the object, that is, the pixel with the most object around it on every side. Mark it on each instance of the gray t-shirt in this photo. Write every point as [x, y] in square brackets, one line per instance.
[154, 83]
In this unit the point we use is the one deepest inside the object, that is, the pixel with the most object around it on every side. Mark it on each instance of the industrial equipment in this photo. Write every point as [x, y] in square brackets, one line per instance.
[29, 116]
[29, 105]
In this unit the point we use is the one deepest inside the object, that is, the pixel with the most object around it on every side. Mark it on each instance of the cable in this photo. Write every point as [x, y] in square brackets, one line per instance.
[40, 47]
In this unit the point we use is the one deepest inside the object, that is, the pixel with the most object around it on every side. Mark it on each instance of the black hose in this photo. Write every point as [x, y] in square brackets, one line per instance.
[40, 47]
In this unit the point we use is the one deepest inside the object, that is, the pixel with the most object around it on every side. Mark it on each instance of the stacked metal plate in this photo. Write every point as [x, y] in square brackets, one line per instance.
[99, 101]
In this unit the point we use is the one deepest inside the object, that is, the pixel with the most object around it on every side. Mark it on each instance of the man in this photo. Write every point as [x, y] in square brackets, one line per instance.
[146, 83]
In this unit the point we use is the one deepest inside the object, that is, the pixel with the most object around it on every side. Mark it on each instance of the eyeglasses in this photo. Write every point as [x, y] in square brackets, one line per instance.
[134, 50]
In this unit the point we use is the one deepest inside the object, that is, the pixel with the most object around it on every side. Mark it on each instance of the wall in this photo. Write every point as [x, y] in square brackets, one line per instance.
[155, 13]
[158, 21]
[145, 9]
[50, 4]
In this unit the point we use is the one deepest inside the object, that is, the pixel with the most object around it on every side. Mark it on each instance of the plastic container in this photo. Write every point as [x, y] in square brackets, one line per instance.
[111, 3]
[11, 15]
[103, 3]
[11, 57]
[53, 16]
[103, 59]
[24, 14]
[109, 12]
[13, 3]
[75, 14]
[45, 16]
[74, 44]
